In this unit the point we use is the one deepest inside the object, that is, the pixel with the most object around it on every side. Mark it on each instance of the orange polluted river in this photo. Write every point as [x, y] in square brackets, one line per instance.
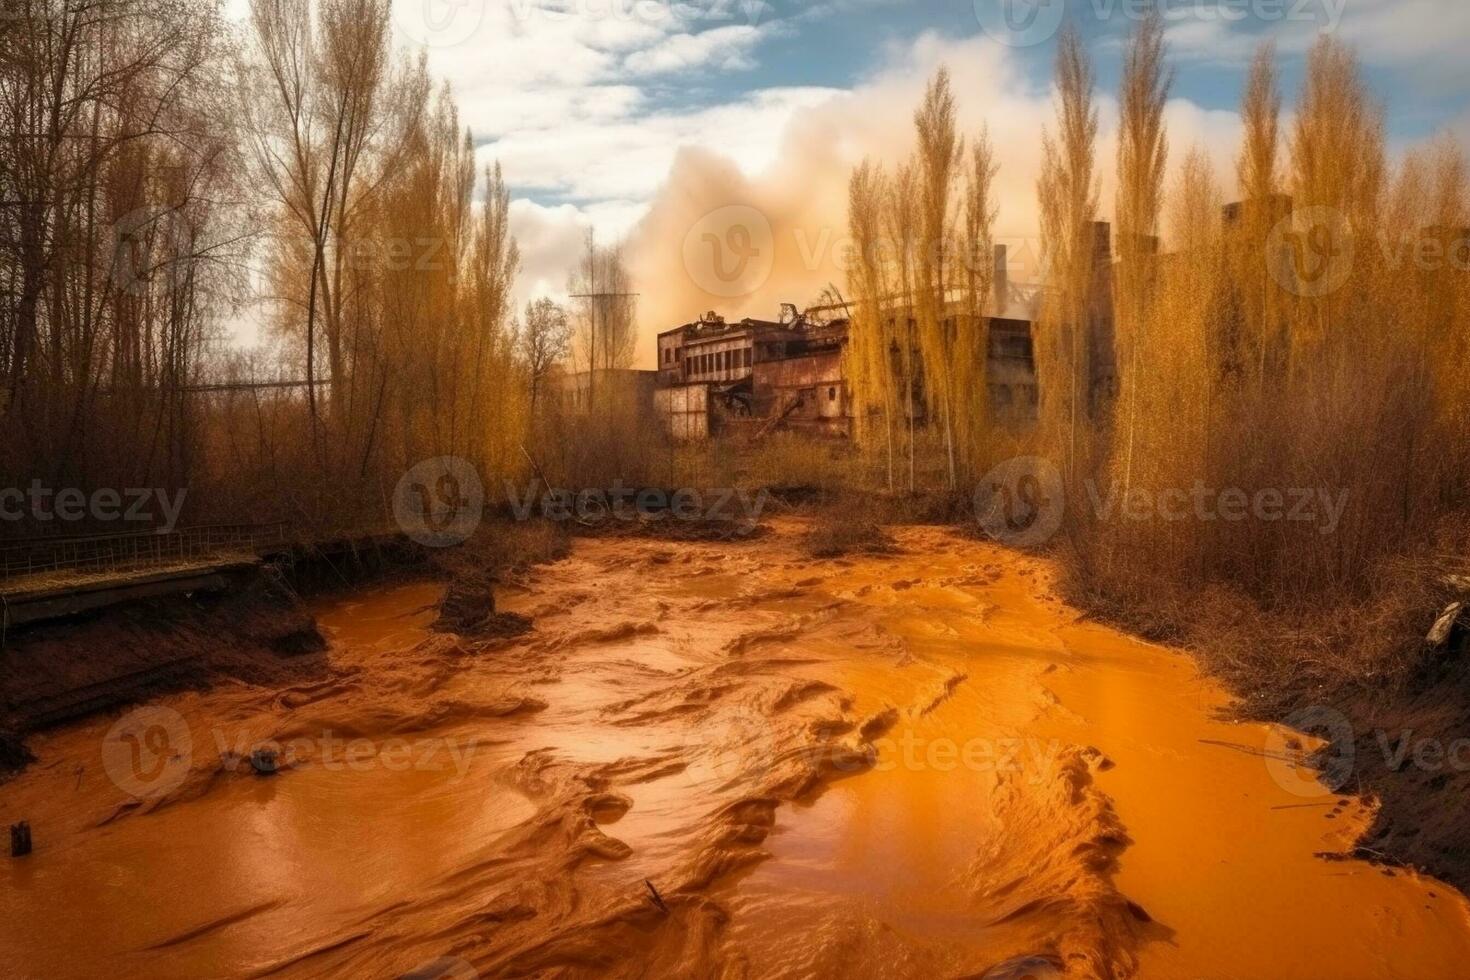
[712, 761]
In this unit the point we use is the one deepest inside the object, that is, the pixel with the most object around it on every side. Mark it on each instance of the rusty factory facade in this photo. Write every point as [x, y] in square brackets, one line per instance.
[752, 377]
[718, 378]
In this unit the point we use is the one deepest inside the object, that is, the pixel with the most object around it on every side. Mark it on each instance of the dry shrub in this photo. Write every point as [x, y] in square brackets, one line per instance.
[502, 547]
[781, 460]
[525, 544]
[850, 525]
[666, 527]
[616, 438]
[790, 460]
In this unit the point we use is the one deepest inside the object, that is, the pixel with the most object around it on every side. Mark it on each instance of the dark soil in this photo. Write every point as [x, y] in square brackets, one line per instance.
[13, 754]
[501, 550]
[259, 634]
[1412, 752]
[854, 524]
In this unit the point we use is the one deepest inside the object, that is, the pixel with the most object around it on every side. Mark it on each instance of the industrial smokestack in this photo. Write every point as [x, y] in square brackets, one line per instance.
[1002, 281]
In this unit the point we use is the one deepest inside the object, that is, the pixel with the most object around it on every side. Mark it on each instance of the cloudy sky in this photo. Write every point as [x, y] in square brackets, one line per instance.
[638, 117]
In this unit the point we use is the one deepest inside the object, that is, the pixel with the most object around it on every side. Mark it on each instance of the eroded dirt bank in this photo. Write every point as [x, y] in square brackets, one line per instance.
[256, 632]
[711, 760]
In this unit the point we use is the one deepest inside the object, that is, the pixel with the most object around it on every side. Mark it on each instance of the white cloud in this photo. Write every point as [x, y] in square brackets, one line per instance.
[571, 104]
[724, 48]
[548, 238]
[1425, 39]
[532, 64]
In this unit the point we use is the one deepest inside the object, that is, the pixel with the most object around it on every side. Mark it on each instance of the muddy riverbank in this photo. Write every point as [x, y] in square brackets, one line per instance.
[257, 633]
[712, 759]
[252, 627]
[1390, 710]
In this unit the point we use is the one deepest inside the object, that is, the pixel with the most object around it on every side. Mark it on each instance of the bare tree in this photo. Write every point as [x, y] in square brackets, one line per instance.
[545, 338]
[320, 103]
[1258, 175]
[869, 364]
[978, 240]
[903, 220]
[112, 201]
[605, 334]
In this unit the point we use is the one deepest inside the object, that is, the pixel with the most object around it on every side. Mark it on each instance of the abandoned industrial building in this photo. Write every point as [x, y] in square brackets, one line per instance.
[752, 377]
[718, 378]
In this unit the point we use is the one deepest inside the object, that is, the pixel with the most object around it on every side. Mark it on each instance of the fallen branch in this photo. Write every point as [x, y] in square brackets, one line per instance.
[655, 897]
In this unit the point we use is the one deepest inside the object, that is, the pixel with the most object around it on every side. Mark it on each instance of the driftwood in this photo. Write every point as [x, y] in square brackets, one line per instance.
[1454, 622]
[1444, 627]
[776, 420]
[656, 898]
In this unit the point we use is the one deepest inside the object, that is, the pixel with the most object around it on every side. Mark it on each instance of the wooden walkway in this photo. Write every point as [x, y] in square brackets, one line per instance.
[45, 578]
[64, 555]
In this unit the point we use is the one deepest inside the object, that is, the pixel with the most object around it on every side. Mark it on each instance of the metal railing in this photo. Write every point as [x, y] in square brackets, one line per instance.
[137, 550]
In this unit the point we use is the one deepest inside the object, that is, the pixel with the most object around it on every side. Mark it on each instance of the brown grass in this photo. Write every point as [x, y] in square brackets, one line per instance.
[839, 531]
[1323, 649]
[505, 547]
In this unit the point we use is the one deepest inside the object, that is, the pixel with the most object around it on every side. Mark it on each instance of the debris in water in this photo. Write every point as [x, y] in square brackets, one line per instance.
[655, 897]
[468, 609]
[20, 840]
[265, 762]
